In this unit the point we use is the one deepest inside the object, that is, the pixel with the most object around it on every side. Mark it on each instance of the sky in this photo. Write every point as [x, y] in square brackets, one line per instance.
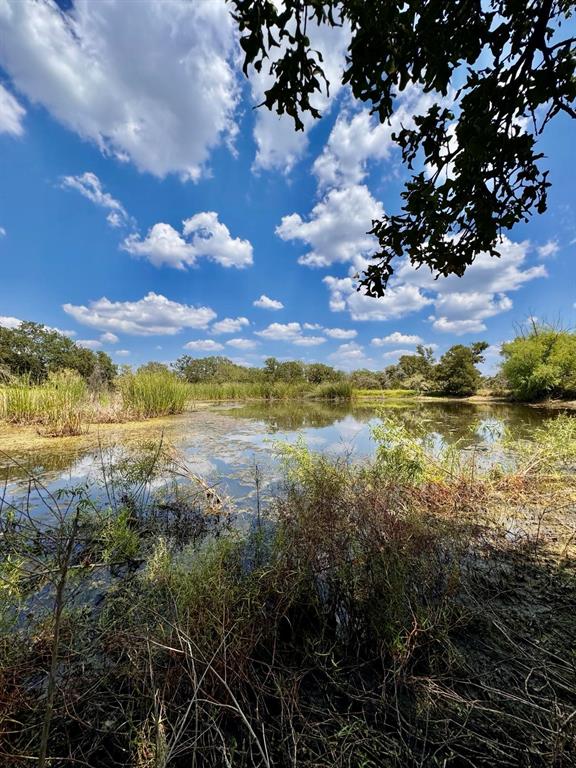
[149, 209]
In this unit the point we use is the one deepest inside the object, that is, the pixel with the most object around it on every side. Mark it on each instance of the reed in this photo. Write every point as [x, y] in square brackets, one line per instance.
[153, 393]
[58, 406]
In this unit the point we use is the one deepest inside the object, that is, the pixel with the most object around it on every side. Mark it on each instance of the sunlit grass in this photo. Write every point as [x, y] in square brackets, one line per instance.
[149, 394]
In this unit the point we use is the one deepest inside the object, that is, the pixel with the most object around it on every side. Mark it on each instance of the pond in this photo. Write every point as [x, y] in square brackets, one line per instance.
[225, 443]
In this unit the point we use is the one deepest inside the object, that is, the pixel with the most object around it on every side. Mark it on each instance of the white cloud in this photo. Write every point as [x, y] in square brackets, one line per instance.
[281, 331]
[341, 333]
[462, 304]
[398, 301]
[89, 343]
[393, 354]
[152, 315]
[230, 325]
[396, 338]
[549, 249]
[242, 343]
[350, 355]
[312, 327]
[336, 230]
[357, 138]
[205, 345]
[154, 87]
[109, 338]
[290, 332]
[11, 112]
[122, 352]
[90, 186]
[203, 236]
[9, 322]
[2, 232]
[278, 145]
[309, 341]
[266, 303]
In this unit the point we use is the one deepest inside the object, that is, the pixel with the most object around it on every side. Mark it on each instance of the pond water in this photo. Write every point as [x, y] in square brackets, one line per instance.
[224, 443]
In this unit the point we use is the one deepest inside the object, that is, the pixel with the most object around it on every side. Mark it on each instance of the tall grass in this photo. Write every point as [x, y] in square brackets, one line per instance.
[153, 393]
[58, 406]
[263, 390]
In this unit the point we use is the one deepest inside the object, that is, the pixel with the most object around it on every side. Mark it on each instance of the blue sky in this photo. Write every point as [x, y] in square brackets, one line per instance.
[146, 207]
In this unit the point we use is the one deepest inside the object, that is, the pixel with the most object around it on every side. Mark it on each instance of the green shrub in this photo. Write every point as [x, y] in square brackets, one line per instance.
[541, 364]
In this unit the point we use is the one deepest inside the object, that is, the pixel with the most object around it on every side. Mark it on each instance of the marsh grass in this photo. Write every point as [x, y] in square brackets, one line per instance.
[385, 393]
[146, 394]
[270, 391]
[403, 612]
[58, 406]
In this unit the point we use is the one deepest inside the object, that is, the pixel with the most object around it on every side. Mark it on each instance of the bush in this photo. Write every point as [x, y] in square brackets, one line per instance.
[541, 364]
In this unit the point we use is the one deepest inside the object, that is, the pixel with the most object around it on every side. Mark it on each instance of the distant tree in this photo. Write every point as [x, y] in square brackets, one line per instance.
[36, 351]
[154, 367]
[290, 371]
[214, 369]
[317, 373]
[270, 368]
[497, 72]
[419, 365]
[456, 372]
[541, 363]
[365, 379]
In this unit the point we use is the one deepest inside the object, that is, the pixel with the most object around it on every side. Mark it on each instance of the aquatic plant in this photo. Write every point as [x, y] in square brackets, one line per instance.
[146, 394]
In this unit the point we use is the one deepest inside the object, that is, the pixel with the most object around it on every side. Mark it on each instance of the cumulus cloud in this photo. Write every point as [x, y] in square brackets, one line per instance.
[357, 138]
[461, 304]
[11, 112]
[278, 145]
[153, 315]
[203, 236]
[290, 332]
[336, 230]
[350, 355]
[204, 345]
[109, 338]
[266, 303]
[156, 88]
[230, 325]
[90, 186]
[397, 338]
[89, 343]
[122, 352]
[242, 343]
[398, 301]
[9, 322]
[341, 333]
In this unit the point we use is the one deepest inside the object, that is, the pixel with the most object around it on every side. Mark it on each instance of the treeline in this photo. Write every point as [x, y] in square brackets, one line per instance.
[454, 374]
[34, 351]
[539, 363]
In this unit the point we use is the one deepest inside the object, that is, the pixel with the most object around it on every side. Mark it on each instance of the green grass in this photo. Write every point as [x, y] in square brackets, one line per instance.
[149, 394]
[58, 406]
[269, 391]
[383, 393]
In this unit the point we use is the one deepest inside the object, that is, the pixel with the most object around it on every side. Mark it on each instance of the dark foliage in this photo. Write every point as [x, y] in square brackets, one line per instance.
[494, 66]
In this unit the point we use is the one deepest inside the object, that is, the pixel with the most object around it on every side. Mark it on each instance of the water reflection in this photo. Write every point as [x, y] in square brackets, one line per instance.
[224, 443]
